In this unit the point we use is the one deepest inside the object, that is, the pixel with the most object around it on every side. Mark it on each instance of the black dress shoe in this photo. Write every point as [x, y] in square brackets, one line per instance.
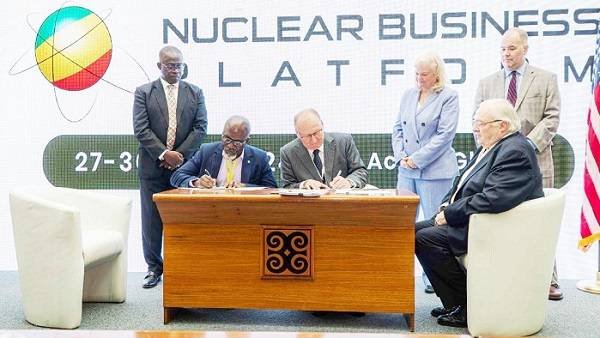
[151, 280]
[440, 311]
[456, 318]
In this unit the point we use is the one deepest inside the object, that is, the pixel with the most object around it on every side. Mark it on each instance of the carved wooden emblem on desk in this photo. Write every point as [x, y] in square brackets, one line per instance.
[287, 252]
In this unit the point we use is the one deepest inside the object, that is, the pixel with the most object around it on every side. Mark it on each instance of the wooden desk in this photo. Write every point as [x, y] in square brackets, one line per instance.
[259, 250]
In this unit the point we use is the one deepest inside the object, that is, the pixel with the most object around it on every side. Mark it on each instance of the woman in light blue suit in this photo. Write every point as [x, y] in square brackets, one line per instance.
[423, 134]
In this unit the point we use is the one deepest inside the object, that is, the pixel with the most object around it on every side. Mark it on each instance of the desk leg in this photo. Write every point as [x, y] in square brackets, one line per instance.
[410, 321]
[170, 313]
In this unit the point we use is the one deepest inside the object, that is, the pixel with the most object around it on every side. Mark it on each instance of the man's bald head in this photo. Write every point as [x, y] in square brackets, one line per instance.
[168, 51]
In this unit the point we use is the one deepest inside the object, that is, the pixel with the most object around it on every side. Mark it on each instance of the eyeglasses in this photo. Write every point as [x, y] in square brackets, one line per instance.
[479, 123]
[228, 140]
[173, 66]
[315, 134]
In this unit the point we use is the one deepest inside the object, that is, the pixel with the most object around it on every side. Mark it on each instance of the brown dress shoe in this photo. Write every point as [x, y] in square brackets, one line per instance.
[554, 293]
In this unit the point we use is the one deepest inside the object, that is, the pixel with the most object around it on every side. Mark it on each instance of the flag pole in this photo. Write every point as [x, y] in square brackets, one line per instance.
[591, 286]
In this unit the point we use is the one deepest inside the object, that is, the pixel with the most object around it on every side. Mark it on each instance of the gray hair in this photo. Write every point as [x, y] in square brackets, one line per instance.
[305, 112]
[435, 63]
[521, 33]
[237, 120]
[500, 109]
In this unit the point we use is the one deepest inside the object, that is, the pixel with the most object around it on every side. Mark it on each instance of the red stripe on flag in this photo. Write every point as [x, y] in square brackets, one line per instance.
[593, 142]
[597, 97]
[584, 231]
[590, 193]
[587, 182]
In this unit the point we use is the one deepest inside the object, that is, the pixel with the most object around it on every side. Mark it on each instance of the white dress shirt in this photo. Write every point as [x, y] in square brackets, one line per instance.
[237, 176]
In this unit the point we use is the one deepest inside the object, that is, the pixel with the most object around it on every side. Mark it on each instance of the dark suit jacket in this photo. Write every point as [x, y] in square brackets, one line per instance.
[340, 153]
[151, 121]
[255, 166]
[504, 178]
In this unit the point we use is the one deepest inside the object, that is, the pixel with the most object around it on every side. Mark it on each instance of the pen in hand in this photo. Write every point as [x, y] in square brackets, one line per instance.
[206, 181]
[334, 184]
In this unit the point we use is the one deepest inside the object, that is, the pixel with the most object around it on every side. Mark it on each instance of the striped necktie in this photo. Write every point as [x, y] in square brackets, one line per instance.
[511, 96]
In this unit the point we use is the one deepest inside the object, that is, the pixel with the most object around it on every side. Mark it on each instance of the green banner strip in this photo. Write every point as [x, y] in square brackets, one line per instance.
[110, 161]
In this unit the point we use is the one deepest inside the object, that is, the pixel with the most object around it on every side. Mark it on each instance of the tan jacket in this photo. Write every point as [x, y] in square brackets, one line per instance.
[538, 105]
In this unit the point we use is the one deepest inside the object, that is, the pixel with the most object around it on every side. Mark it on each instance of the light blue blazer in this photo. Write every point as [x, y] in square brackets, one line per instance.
[426, 134]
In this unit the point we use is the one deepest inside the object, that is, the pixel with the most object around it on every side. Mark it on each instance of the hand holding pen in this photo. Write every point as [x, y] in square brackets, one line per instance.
[205, 181]
[340, 182]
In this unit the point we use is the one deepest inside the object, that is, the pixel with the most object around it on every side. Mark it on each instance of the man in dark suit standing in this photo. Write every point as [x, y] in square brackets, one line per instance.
[317, 159]
[503, 173]
[169, 121]
[230, 163]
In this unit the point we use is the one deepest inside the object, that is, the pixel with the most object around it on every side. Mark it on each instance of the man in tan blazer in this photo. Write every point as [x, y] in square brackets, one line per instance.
[534, 94]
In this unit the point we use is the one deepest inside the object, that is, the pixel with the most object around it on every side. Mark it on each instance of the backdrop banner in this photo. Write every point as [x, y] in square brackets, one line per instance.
[70, 70]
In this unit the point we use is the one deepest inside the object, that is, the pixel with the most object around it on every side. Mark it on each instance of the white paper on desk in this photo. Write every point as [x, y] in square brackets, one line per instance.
[363, 192]
[302, 192]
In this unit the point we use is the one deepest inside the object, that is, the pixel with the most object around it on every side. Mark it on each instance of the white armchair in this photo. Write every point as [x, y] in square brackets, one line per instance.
[71, 248]
[509, 266]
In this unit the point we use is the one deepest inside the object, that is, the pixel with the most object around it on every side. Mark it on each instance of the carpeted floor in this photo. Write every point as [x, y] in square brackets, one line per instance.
[578, 315]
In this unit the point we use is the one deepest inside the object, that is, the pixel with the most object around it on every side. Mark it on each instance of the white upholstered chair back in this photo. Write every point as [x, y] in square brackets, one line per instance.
[509, 266]
[71, 247]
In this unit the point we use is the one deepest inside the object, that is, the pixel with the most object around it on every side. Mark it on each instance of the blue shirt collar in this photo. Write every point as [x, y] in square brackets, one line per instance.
[520, 71]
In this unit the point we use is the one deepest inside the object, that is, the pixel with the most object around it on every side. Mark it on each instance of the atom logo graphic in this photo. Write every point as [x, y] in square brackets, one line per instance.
[73, 50]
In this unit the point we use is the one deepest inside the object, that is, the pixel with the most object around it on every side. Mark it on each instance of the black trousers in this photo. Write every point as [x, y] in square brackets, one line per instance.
[447, 277]
[152, 226]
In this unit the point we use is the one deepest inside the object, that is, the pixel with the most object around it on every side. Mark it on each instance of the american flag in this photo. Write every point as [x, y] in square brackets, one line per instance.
[590, 211]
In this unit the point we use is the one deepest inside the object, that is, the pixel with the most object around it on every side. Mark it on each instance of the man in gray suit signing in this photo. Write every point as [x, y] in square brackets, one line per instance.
[169, 121]
[317, 159]
[533, 92]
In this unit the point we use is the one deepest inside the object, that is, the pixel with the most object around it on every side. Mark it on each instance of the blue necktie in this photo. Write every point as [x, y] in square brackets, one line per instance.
[318, 163]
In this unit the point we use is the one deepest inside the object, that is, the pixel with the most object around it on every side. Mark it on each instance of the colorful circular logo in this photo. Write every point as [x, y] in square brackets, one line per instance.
[73, 48]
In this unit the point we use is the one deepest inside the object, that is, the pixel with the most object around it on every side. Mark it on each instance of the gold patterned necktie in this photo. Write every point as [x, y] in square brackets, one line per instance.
[230, 166]
[172, 106]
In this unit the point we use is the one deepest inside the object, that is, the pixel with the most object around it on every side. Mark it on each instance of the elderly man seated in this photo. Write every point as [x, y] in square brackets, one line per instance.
[502, 174]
